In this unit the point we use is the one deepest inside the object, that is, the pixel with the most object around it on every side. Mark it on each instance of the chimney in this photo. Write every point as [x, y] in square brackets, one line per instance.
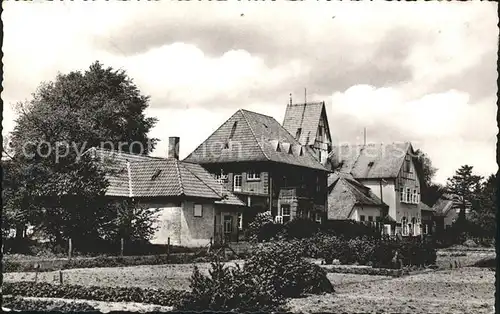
[173, 147]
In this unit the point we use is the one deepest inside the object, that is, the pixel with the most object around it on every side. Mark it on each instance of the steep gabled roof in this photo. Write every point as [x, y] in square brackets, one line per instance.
[345, 193]
[131, 175]
[306, 117]
[444, 206]
[371, 161]
[251, 136]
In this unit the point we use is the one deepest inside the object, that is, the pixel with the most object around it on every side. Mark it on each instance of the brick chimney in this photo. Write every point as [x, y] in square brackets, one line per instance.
[173, 147]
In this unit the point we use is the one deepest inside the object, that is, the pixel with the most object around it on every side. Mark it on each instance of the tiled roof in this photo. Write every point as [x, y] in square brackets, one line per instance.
[250, 136]
[133, 175]
[371, 161]
[345, 192]
[443, 205]
[426, 207]
[306, 117]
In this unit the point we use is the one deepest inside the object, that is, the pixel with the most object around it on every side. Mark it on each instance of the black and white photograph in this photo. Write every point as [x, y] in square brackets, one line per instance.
[249, 156]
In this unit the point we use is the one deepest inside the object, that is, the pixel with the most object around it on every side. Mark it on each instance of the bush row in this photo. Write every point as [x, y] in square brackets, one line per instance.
[33, 247]
[107, 294]
[20, 304]
[366, 271]
[103, 261]
[380, 253]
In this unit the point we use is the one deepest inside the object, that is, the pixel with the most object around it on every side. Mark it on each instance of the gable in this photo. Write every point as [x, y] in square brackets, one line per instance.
[302, 121]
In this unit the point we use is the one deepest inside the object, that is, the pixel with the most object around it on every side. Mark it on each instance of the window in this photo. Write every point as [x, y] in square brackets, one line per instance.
[407, 164]
[233, 129]
[318, 185]
[320, 131]
[198, 210]
[240, 221]
[362, 218]
[370, 218]
[252, 175]
[297, 135]
[285, 213]
[221, 177]
[318, 218]
[404, 226]
[426, 229]
[237, 182]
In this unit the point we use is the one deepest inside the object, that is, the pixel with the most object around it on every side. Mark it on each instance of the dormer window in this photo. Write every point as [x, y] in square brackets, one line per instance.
[156, 174]
[253, 175]
[233, 130]
[297, 135]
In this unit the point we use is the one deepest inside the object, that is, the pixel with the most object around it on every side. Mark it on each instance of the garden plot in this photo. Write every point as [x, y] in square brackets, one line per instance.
[464, 290]
[170, 276]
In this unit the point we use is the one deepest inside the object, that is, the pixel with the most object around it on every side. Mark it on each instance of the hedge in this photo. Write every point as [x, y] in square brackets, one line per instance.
[103, 261]
[26, 305]
[96, 293]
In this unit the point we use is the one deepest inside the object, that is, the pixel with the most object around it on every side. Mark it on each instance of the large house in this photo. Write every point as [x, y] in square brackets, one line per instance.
[388, 170]
[258, 160]
[445, 212]
[192, 208]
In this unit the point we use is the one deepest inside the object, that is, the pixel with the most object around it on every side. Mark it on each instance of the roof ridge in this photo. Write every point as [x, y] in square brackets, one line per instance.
[202, 181]
[253, 133]
[179, 176]
[203, 142]
[258, 113]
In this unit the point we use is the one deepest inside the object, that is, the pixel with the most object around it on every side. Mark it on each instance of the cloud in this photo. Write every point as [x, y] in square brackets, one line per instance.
[423, 72]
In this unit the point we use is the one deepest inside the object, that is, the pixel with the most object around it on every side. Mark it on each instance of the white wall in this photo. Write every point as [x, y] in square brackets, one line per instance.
[366, 211]
[385, 191]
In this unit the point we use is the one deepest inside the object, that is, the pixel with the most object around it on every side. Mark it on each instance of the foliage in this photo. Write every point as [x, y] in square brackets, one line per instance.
[483, 213]
[30, 305]
[263, 228]
[97, 293]
[464, 187]
[301, 228]
[430, 192]
[230, 289]
[349, 229]
[50, 183]
[291, 275]
[12, 265]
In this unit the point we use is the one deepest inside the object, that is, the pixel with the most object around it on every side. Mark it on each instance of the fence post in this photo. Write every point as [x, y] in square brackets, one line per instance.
[168, 248]
[210, 247]
[70, 248]
[121, 246]
[60, 277]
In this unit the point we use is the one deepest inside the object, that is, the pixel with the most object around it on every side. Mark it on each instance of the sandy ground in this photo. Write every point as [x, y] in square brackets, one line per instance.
[106, 307]
[464, 290]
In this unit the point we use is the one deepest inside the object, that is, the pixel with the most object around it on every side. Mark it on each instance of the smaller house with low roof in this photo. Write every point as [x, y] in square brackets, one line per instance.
[445, 212]
[192, 208]
[350, 200]
[389, 172]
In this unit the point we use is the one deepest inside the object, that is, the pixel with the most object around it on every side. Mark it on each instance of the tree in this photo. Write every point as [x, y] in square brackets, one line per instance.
[464, 187]
[483, 213]
[430, 191]
[100, 107]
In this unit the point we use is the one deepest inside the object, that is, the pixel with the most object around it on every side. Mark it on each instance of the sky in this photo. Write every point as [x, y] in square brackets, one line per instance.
[420, 72]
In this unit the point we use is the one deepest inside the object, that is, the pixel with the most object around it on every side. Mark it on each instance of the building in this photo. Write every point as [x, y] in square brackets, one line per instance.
[258, 160]
[309, 124]
[445, 212]
[350, 200]
[192, 208]
[428, 220]
[388, 170]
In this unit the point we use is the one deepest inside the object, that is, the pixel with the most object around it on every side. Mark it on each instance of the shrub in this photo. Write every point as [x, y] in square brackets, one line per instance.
[107, 294]
[290, 274]
[230, 289]
[300, 228]
[20, 304]
[349, 229]
[263, 228]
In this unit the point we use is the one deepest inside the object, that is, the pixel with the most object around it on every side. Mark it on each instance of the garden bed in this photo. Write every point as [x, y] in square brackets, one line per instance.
[96, 293]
